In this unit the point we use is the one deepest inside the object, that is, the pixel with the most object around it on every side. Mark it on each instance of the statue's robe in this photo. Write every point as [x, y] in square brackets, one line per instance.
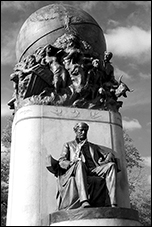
[67, 194]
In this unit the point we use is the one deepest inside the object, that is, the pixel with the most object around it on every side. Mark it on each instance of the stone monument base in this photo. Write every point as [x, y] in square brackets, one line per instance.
[41, 130]
[103, 216]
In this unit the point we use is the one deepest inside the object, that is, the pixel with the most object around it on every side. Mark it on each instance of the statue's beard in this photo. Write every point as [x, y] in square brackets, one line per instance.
[81, 138]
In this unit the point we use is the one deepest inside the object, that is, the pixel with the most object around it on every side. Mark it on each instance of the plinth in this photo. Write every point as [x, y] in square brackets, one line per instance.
[103, 216]
[40, 130]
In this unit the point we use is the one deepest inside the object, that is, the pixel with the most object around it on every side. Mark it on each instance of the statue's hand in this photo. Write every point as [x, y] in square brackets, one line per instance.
[75, 160]
[100, 161]
[64, 164]
[110, 157]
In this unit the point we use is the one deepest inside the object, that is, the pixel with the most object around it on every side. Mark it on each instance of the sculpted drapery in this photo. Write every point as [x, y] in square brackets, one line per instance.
[86, 172]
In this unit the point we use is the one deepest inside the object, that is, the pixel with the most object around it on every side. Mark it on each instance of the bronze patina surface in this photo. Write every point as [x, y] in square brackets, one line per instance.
[50, 22]
[62, 61]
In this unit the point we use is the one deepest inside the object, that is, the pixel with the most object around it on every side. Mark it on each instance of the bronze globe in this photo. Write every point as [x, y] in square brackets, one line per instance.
[49, 23]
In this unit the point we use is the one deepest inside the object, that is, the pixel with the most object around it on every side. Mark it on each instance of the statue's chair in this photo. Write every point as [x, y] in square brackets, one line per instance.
[67, 194]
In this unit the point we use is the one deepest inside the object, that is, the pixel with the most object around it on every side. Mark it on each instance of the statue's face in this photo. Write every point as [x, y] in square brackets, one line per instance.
[107, 56]
[81, 132]
[95, 63]
[31, 61]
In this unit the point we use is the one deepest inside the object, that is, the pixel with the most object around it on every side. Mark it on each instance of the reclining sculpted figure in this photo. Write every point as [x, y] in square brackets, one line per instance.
[87, 173]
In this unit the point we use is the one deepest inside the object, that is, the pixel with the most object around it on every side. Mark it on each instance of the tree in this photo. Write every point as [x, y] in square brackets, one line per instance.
[7, 132]
[133, 157]
[5, 162]
[4, 184]
[140, 197]
[139, 189]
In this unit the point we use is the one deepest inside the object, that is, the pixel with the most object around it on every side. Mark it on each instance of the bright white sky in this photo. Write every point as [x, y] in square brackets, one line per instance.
[127, 29]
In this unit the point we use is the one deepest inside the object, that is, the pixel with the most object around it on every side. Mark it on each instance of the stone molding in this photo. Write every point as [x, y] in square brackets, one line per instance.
[57, 112]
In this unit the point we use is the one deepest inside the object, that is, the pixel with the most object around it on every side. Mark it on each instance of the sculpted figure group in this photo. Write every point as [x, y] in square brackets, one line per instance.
[67, 73]
[86, 172]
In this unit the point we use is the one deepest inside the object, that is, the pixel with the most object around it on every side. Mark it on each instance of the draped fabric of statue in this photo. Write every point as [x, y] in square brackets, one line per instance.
[80, 181]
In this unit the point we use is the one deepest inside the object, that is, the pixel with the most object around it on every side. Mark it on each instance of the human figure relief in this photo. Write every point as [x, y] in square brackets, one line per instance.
[59, 72]
[87, 173]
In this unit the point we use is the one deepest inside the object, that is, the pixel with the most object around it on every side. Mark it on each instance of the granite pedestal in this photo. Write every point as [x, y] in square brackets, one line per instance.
[104, 216]
[40, 130]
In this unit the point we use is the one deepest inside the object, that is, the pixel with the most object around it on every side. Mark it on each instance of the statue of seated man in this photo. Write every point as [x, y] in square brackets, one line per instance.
[85, 172]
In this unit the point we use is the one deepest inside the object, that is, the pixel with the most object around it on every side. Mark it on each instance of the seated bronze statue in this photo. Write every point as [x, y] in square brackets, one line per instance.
[86, 172]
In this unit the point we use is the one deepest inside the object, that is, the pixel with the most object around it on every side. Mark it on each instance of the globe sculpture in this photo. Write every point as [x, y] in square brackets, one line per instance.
[62, 60]
[49, 23]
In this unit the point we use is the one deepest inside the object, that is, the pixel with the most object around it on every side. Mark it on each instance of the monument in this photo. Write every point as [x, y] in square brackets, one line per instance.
[63, 76]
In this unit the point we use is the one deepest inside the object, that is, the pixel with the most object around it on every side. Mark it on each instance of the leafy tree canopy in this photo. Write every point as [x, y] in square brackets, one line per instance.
[139, 188]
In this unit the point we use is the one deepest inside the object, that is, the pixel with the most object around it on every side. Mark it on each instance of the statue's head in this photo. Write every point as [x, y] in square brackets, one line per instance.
[95, 63]
[81, 129]
[108, 55]
[30, 60]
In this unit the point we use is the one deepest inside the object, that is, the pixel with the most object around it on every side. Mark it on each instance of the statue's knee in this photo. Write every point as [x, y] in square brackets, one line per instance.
[112, 165]
[80, 164]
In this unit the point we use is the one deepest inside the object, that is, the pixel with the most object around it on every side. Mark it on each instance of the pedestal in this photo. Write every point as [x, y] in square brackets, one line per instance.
[40, 130]
[103, 216]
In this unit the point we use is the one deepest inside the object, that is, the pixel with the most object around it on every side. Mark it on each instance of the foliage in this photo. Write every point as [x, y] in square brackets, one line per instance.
[7, 132]
[5, 162]
[139, 189]
[140, 198]
[4, 184]
[133, 157]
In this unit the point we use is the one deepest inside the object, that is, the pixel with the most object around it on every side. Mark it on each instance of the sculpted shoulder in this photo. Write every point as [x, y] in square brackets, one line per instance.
[70, 143]
[101, 148]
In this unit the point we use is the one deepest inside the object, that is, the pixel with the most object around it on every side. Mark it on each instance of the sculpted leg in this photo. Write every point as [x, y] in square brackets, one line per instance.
[81, 180]
[111, 183]
[108, 172]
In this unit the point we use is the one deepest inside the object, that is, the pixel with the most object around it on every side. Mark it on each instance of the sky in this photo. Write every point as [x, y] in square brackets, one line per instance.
[127, 29]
